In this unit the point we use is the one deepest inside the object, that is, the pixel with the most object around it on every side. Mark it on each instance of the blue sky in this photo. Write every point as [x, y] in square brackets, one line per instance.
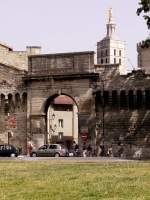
[69, 25]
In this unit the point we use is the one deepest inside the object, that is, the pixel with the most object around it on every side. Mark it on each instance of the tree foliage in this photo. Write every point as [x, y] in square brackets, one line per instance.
[145, 8]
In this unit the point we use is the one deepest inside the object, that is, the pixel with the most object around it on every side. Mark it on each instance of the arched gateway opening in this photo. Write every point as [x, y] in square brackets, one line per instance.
[61, 120]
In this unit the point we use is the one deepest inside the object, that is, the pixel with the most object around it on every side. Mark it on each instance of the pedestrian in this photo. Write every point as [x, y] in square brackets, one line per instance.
[30, 147]
[89, 150]
[84, 151]
[109, 151]
[73, 145]
[121, 151]
[19, 150]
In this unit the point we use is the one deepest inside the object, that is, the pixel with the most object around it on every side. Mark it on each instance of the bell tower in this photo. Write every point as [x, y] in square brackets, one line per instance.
[111, 50]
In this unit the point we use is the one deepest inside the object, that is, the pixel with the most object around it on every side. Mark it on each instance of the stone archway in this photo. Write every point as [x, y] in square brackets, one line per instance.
[51, 75]
[38, 120]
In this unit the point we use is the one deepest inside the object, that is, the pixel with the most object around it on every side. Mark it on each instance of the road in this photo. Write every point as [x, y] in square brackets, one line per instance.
[77, 159]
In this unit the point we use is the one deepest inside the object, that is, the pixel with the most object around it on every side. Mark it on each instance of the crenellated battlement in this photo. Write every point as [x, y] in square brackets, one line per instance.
[143, 44]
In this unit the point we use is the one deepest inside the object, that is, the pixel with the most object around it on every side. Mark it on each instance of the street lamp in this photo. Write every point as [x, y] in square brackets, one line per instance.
[103, 111]
[101, 122]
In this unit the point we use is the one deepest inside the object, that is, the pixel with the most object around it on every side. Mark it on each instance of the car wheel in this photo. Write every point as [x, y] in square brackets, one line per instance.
[57, 155]
[12, 155]
[33, 155]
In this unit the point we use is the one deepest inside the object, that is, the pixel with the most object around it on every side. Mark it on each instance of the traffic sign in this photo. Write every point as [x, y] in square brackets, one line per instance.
[84, 136]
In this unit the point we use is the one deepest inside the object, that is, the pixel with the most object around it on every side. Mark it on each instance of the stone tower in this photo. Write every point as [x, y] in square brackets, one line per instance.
[111, 50]
[143, 49]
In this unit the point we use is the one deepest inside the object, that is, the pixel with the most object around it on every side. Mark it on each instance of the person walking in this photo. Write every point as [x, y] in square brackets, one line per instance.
[30, 148]
[84, 151]
[89, 150]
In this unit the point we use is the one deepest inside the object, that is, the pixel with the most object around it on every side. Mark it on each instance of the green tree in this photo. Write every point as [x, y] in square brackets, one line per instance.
[145, 8]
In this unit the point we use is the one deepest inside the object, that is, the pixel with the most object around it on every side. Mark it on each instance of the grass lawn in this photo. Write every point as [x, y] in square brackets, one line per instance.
[70, 180]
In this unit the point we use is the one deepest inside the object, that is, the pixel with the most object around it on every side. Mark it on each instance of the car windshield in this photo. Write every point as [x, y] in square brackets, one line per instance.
[43, 147]
[6, 147]
[53, 146]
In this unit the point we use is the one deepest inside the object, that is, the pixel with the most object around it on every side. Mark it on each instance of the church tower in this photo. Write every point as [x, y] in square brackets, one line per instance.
[111, 50]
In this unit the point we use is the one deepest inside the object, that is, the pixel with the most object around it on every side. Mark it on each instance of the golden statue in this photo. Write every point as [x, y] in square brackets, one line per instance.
[110, 15]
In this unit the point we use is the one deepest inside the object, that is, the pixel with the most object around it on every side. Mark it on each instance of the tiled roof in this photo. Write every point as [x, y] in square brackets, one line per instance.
[63, 99]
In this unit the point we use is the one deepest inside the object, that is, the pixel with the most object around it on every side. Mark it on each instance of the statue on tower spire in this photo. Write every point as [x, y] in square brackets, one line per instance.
[110, 15]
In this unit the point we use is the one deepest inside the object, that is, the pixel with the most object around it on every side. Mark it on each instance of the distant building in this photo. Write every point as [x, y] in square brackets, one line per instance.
[111, 50]
[63, 121]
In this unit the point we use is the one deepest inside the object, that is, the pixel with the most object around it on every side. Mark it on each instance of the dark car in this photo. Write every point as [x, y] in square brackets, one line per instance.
[55, 150]
[8, 150]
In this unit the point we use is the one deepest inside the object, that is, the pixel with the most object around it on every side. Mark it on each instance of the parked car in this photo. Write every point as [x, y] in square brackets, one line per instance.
[8, 150]
[55, 150]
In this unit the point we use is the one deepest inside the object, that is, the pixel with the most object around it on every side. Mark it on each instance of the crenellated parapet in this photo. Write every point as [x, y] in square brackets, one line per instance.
[143, 44]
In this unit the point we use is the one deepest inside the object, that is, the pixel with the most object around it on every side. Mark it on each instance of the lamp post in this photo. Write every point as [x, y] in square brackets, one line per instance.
[100, 124]
[103, 111]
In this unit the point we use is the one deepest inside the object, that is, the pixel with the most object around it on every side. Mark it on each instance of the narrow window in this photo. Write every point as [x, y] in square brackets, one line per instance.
[131, 99]
[114, 98]
[123, 99]
[120, 61]
[98, 100]
[114, 52]
[60, 122]
[24, 101]
[147, 99]
[114, 60]
[105, 98]
[60, 135]
[106, 52]
[139, 99]
[119, 52]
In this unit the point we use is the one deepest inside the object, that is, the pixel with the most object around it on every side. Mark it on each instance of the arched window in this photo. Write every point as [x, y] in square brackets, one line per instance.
[2, 99]
[98, 100]
[106, 52]
[119, 52]
[114, 60]
[114, 52]
[17, 101]
[114, 98]
[24, 101]
[2, 102]
[11, 103]
[123, 99]
[147, 99]
[105, 98]
[139, 99]
[131, 99]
